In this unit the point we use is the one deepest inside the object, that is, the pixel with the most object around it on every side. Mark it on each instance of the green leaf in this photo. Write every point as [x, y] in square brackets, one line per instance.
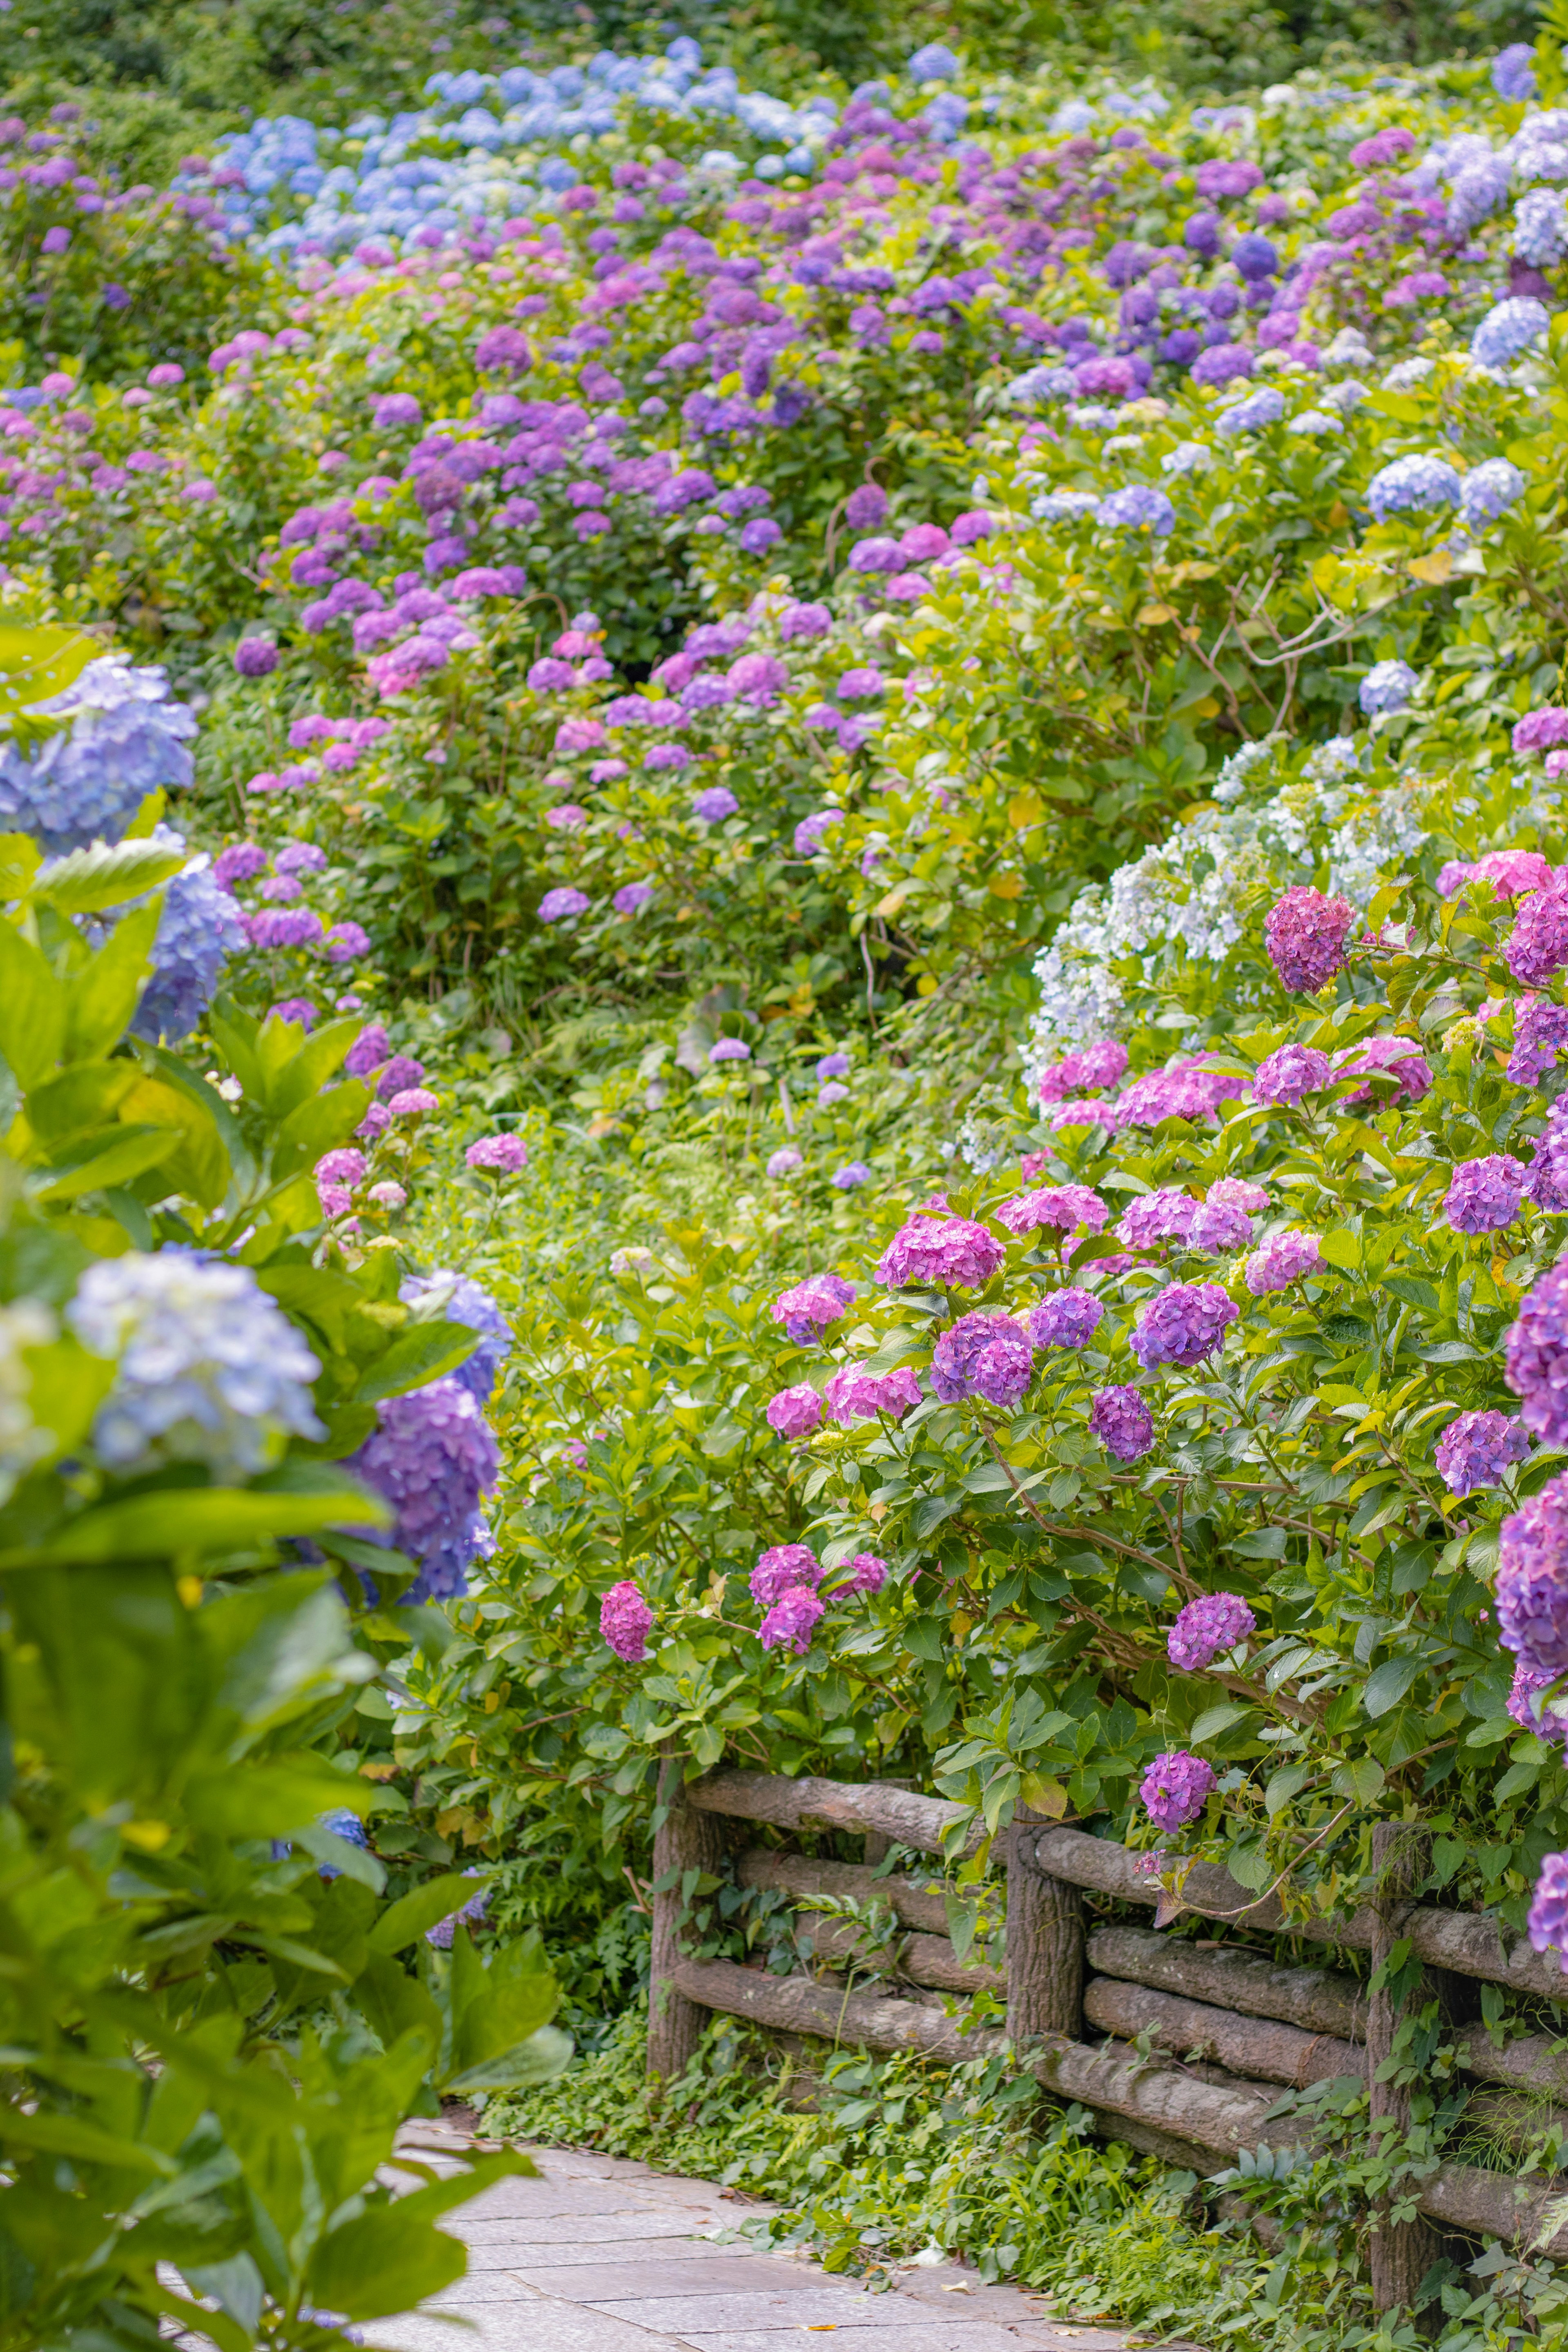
[538, 2059]
[1387, 1683]
[1362, 1779]
[87, 880]
[1216, 1719]
[277, 1796]
[405, 1921]
[383, 2261]
[101, 1000]
[137, 1151]
[32, 1007]
[201, 1519]
[396, 2003]
[1265, 1543]
[419, 1353]
[1339, 1246]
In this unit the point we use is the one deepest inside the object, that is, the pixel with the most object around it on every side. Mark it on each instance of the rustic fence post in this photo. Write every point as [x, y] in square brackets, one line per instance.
[1045, 1942]
[683, 1840]
[1400, 2252]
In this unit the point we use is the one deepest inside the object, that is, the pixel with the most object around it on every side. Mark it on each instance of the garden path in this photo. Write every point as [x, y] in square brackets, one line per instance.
[603, 2255]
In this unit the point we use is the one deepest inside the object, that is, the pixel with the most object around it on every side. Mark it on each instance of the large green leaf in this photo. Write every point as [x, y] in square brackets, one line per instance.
[405, 1921]
[392, 2256]
[101, 1000]
[274, 1798]
[32, 1008]
[200, 1519]
[87, 880]
[420, 1352]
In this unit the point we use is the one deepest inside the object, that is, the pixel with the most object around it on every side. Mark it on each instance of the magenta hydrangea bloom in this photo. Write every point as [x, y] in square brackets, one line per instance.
[1536, 1357]
[1182, 1324]
[867, 1574]
[984, 1356]
[344, 1166]
[1213, 1623]
[1122, 1422]
[1539, 1037]
[1283, 1259]
[1305, 934]
[412, 1102]
[1175, 1789]
[1538, 730]
[1083, 1072]
[1188, 1091]
[284, 927]
[556, 905]
[794, 1412]
[505, 1154]
[1548, 1921]
[942, 1251]
[1288, 1077]
[806, 1310]
[1059, 1208]
[1537, 948]
[1532, 1590]
[1067, 1319]
[625, 1620]
[1221, 1224]
[782, 1567]
[1476, 1448]
[1484, 1195]
[1524, 1703]
[254, 657]
[790, 1623]
[854, 1394]
[1166, 1215]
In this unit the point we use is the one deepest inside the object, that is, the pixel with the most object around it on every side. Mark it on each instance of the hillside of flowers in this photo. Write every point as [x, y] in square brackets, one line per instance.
[786, 919]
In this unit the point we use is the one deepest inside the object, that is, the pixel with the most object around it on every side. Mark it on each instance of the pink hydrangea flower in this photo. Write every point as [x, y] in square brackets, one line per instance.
[867, 1574]
[1060, 1208]
[414, 1102]
[507, 1155]
[626, 1621]
[794, 1412]
[388, 1195]
[1283, 1259]
[1484, 1195]
[1122, 1422]
[856, 1394]
[781, 1569]
[807, 1310]
[1182, 1324]
[344, 1166]
[789, 1623]
[1286, 1077]
[1538, 730]
[1175, 1789]
[1213, 1623]
[1536, 950]
[1399, 1058]
[940, 1251]
[1082, 1072]
[1305, 934]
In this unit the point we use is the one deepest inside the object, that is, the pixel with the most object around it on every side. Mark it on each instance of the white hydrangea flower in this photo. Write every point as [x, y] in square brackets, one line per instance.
[27, 1324]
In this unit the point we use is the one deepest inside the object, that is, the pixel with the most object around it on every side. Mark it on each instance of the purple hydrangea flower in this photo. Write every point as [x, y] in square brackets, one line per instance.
[784, 1161]
[1166, 1215]
[867, 1574]
[854, 1394]
[729, 1049]
[790, 1621]
[242, 861]
[806, 1310]
[1476, 1448]
[851, 1176]
[283, 926]
[1215, 1622]
[1540, 1036]
[781, 1569]
[1532, 1590]
[1220, 1224]
[1182, 1324]
[1484, 1195]
[625, 1620]
[556, 905]
[631, 896]
[1286, 1077]
[942, 1251]
[1305, 934]
[1283, 1259]
[464, 1301]
[1057, 1208]
[1085, 1071]
[401, 1072]
[1537, 1356]
[1537, 948]
[1538, 730]
[1513, 73]
[1122, 1422]
[507, 1155]
[369, 1051]
[794, 1412]
[1413, 486]
[1137, 507]
[982, 1355]
[254, 657]
[1548, 1921]
[1524, 1703]
[1175, 1789]
[432, 1456]
[1067, 1319]
[1547, 1183]
[713, 806]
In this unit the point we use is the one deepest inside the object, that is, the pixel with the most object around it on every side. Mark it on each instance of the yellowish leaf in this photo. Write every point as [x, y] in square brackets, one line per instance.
[1024, 809]
[1006, 886]
[1044, 1795]
[1184, 572]
[1151, 616]
[1432, 569]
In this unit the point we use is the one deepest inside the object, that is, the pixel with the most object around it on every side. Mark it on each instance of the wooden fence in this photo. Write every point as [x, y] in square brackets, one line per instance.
[1229, 2026]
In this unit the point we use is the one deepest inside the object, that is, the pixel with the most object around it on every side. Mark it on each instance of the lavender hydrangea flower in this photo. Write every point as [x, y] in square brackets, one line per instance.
[432, 1456]
[1493, 486]
[632, 897]
[782, 1567]
[1540, 1036]
[1182, 1324]
[851, 1176]
[986, 1356]
[867, 1574]
[1305, 934]
[1476, 1449]
[1166, 1215]
[1536, 1357]
[502, 1155]
[1287, 1077]
[1511, 328]
[1122, 1422]
[284, 927]
[122, 740]
[1387, 685]
[1484, 1194]
[1536, 949]
[241, 862]
[1220, 1224]
[1175, 1789]
[1283, 1259]
[1084, 1071]
[1067, 1319]
[625, 1620]
[1524, 1704]
[942, 1251]
[1054, 1208]
[1478, 190]
[1547, 1183]
[790, 1621]
[343, 1824]
[1413, 486]
[254, 657]
[199, 928]
[470, 1916]
[1548, 1921]
[207, 1366]
[1513, 73]
[1259, 409]
[556, 905]
[1532, 1590]
[1216, 1621]
[1137, 507]
[783, 1161]
[794, 1412]
[854, 1394]
[462, 1300]
[729, 1049]
[806, 1310]
[713, 806]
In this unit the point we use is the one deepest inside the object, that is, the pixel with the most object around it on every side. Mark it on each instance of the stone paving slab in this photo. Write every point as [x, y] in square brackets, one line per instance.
[974, 2335]
[678, 2245]
[805, 2305]
[721, 2271]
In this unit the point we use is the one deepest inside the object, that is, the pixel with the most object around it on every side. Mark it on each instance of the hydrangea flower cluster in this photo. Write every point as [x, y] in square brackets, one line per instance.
[1484, 1195]
[1057, 1208]
[1289, 1075]
[1175, 1789]
[1536, 950]
[462, 1300]
[1524, 1704]
[1305, 934]
[794, 1412]
[207, 1368]
[117, 738]
[986, 1356]
[853, 1393]
[1213, 1623]
[807, 1310]
[942, 1252]
[1547, 1925]
[1532, 1590]
[198, 930]
[625, 1620]
[1182, 1324]
[470, 1914]
[1121, 1421]
[432, 1456]
[1067, 1319]
[1284, 1258]
[1540, 1039]
[1536, 1358]
[1476, 1448]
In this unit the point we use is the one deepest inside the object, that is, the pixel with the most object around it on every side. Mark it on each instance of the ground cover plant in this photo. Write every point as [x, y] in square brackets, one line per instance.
[807, 844]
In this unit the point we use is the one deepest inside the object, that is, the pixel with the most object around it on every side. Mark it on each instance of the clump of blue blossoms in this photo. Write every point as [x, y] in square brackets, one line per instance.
[199, 930]
[208, 1368]
[466, 1302]
[1387, 685]
[123, 739]
[1413, 486]
[1508, 329]
[1490, 489]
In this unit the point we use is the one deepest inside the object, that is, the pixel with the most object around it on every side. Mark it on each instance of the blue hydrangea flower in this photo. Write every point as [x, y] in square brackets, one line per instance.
[1478, 192]
[468, 1303]
[199, 930]
[84, 783]
[208, 1368]
[1508, 329]
[1513, 73]
[1413, 486]
[432, 1457]
[1065, 505]
[1489, 488]
[1253, 415]
[1540, 227]
[935, 62]
[1137, 507]
[1387, 685]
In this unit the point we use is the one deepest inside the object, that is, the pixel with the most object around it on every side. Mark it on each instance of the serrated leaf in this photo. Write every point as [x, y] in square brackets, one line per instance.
[86, 881]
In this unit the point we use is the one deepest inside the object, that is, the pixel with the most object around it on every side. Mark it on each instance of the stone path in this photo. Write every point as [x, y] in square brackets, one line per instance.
[600, 2254]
